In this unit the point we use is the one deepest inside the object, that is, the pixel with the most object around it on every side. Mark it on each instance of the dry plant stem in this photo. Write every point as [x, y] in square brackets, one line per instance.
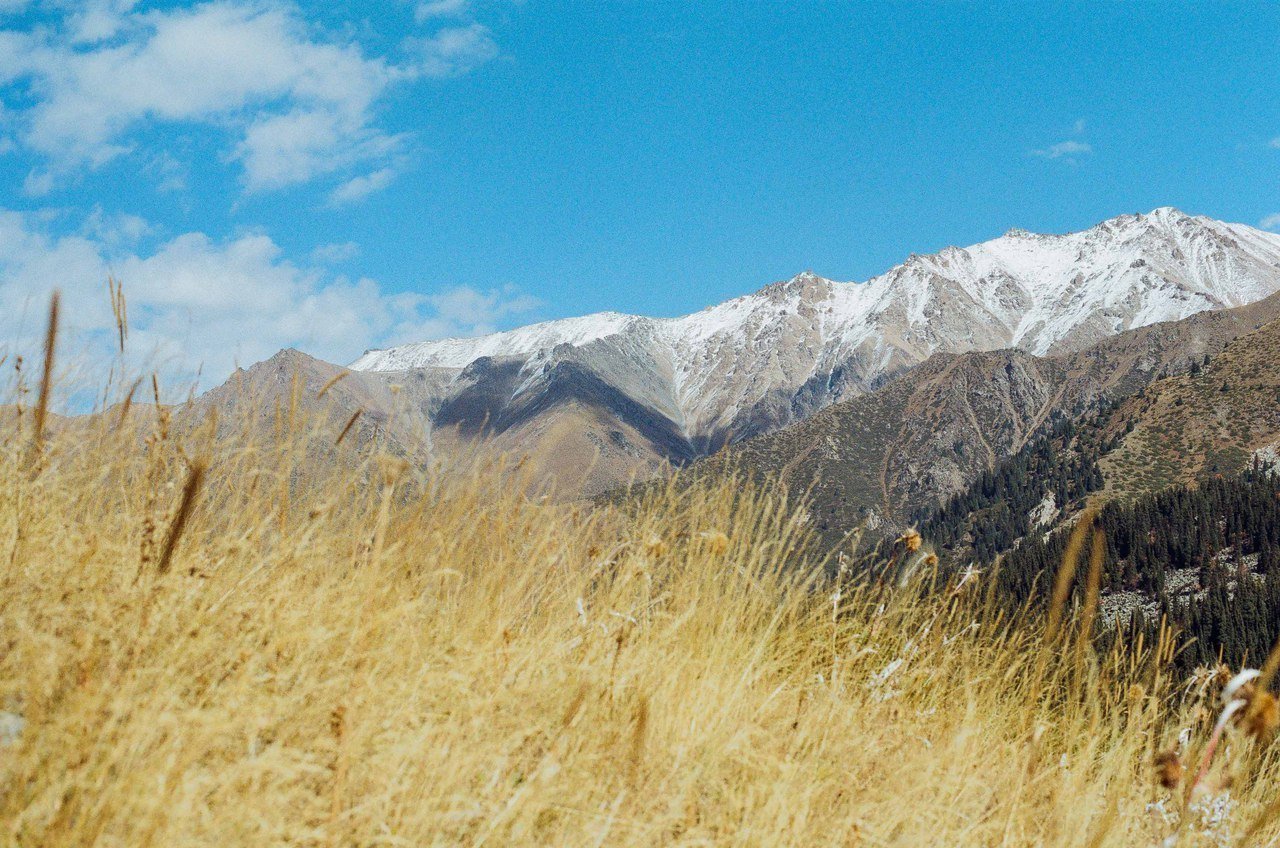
[1097, 553]
[1206, 759]
[1267, 674]
[46, 386]
[1268, 815]
[333, 381]
[186, 505]
[119, 310]
[351, 422]
[1058, 600]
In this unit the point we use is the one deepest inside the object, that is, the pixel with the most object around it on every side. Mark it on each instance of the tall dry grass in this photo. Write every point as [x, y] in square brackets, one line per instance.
[221, 640]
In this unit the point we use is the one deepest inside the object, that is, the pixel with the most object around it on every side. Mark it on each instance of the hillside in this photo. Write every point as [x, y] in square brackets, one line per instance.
[889, 458]
[1184, 473]
[1211, 421]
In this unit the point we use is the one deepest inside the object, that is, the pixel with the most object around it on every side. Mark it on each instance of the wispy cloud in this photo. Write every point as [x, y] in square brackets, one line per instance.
[92, 21]
[358, 188]
[1271, 222]
[332, 254]
[1065, 149]
[1068, 150]
[442, 9]
[467, 311]
[454, 51]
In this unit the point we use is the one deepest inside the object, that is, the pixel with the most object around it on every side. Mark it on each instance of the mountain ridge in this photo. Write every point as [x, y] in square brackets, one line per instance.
[760, 361]
[608, 398]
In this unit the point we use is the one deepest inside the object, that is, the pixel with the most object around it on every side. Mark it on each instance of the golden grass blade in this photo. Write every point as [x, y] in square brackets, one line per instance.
[1097, 554]
[1067, 573]
[46, 379]
[127, 404]
[119, 310]
[333, 381]
[1269, 668]
[351, 422]
[195, 475]
[1260, 822]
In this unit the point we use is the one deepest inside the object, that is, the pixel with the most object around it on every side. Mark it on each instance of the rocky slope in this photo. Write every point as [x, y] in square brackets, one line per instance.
[1210, 422]
[886, 457]
[1212, 415]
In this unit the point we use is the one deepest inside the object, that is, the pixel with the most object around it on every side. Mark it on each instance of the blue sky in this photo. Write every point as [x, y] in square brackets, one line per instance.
[262, 173]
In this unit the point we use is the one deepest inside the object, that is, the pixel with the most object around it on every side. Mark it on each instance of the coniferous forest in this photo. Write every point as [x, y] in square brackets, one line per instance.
[1226, 530]
[1206, 557]
[986, 519]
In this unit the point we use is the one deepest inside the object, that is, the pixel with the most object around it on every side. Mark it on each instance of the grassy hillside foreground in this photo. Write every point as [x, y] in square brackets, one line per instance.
[370, 656]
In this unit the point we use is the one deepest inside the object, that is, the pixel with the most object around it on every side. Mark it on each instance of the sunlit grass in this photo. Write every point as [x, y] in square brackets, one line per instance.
[356, 652]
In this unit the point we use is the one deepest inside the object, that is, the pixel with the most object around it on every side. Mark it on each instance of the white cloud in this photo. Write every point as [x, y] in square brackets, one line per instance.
[282, 150]
[1275, 142]
[37, 184]
[201, 303]
[97, 20]
[455, 50]
[170, 174]
[299, 104]
[358, 188]
[465, 311]
[332, 254]
[1271, 222]
[115, 229]
[442, 9]
[1066, 150]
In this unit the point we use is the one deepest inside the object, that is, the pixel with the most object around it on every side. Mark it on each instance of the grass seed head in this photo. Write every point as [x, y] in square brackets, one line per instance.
[717, 542]
[910, 540]
[655, 547]
[1262, 716]
[1169, 769]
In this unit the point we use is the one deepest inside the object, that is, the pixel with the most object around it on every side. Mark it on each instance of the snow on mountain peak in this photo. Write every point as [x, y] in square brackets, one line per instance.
[814, 336]
[460, 352]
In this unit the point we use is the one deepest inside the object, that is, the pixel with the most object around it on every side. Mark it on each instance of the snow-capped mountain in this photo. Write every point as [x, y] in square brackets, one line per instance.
[758, 362]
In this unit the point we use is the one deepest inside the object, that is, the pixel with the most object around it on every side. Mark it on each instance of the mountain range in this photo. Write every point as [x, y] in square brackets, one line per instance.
[597, 400]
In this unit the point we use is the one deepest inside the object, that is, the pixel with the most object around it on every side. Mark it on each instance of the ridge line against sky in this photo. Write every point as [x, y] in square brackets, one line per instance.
[268, 173]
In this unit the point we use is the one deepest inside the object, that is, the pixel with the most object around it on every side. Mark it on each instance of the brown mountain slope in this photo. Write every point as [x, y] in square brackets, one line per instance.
[877, 458]
[292, 394]
[882, 458]
[565, 434]
[1185, 427]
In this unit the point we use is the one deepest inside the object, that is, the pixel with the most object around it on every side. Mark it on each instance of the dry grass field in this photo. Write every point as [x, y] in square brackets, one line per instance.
[221, 641]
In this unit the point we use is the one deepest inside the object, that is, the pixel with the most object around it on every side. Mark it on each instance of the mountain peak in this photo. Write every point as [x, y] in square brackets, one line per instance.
[763, 359]
[1161, 216]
